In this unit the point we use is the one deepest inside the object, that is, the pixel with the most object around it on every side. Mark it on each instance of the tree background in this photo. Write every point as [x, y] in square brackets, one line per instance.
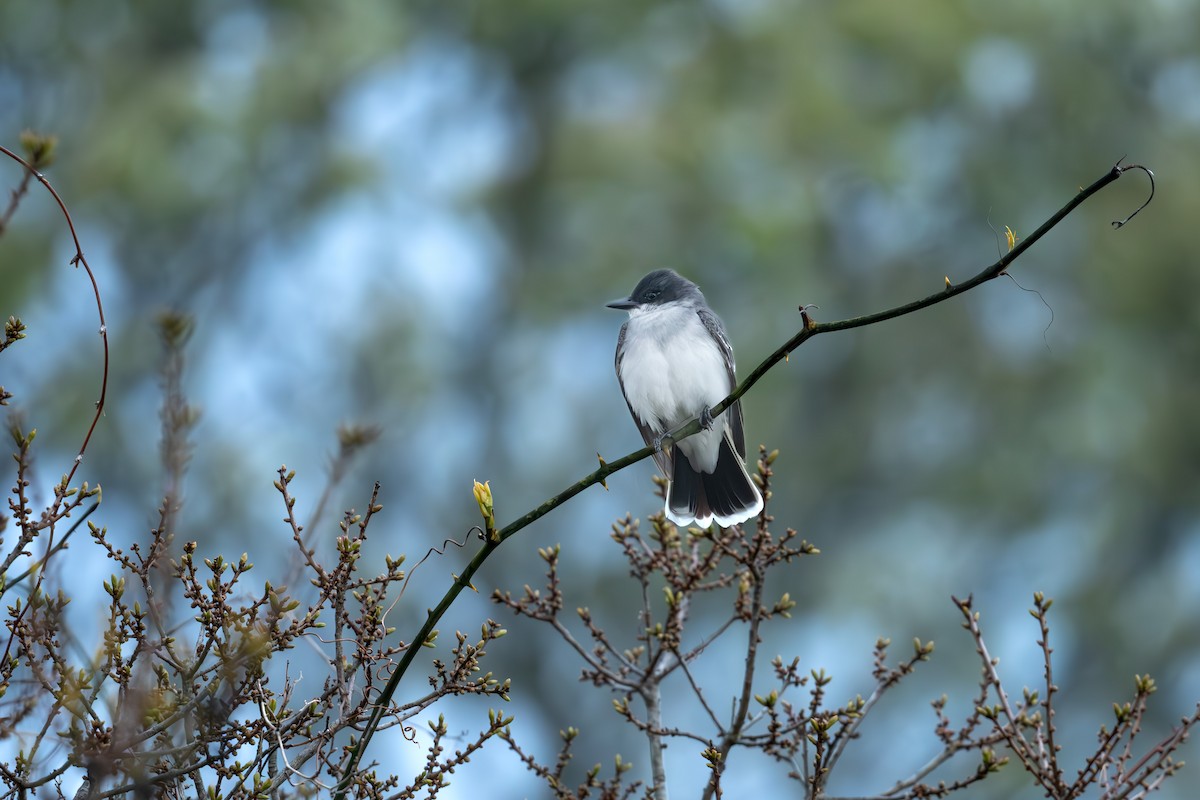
[411, 215]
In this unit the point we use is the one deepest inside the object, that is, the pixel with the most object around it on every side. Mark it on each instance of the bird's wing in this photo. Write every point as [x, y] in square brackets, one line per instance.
[662, 457]
[712, 323]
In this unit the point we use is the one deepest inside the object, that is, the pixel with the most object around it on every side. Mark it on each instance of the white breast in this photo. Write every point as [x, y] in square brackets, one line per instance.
[671, 370]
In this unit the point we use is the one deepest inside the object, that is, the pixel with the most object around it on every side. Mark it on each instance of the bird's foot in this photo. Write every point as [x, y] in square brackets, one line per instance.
[706, 419]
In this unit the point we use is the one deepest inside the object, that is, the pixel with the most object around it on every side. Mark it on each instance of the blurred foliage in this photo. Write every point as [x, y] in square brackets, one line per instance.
[410, 214]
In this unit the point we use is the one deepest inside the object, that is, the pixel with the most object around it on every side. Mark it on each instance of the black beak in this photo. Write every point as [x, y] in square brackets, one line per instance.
[624, 304]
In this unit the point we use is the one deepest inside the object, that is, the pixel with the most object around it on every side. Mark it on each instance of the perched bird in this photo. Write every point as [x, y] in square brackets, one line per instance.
[674, 363]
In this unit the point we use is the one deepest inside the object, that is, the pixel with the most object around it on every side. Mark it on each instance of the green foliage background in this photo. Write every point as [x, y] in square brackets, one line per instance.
[411, 214]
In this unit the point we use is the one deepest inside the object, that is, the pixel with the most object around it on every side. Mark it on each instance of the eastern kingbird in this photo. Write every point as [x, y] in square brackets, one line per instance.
[674, 363]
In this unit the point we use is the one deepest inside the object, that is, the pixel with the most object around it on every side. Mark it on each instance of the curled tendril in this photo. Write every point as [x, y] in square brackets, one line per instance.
[478, 531]
[1118, 223]
[409, 732]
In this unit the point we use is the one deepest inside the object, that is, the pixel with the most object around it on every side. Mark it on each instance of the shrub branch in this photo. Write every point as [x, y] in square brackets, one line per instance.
[607, 468]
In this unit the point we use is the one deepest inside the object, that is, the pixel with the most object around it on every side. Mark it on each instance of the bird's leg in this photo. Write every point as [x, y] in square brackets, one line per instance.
[668, 438]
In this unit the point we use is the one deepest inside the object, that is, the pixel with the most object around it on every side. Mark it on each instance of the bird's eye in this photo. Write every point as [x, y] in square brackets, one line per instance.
[652, 295]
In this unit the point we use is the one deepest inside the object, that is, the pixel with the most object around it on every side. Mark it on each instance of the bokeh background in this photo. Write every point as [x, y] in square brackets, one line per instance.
[411, 215]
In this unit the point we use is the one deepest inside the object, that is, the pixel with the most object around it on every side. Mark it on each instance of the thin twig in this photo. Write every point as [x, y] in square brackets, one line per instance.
[52, 514]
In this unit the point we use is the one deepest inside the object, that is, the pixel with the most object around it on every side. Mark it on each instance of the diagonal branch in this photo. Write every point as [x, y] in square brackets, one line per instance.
[997, 269]
[608, 468]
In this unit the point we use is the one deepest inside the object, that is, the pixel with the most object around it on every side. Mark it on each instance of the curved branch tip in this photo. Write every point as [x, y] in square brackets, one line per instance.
[1119, 223]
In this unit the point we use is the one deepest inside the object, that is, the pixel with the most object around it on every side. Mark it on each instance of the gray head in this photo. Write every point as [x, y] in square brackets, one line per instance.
[659, 288]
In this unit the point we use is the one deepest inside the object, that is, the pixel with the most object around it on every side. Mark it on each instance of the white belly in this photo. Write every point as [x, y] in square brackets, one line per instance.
[671, 371]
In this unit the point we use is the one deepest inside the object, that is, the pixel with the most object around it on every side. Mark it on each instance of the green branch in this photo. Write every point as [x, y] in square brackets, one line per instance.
[606, 469]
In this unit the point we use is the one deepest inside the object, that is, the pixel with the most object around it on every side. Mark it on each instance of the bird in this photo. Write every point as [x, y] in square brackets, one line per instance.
[674, 363]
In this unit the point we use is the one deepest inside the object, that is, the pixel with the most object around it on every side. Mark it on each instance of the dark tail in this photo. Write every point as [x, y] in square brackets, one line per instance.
[727, 495]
